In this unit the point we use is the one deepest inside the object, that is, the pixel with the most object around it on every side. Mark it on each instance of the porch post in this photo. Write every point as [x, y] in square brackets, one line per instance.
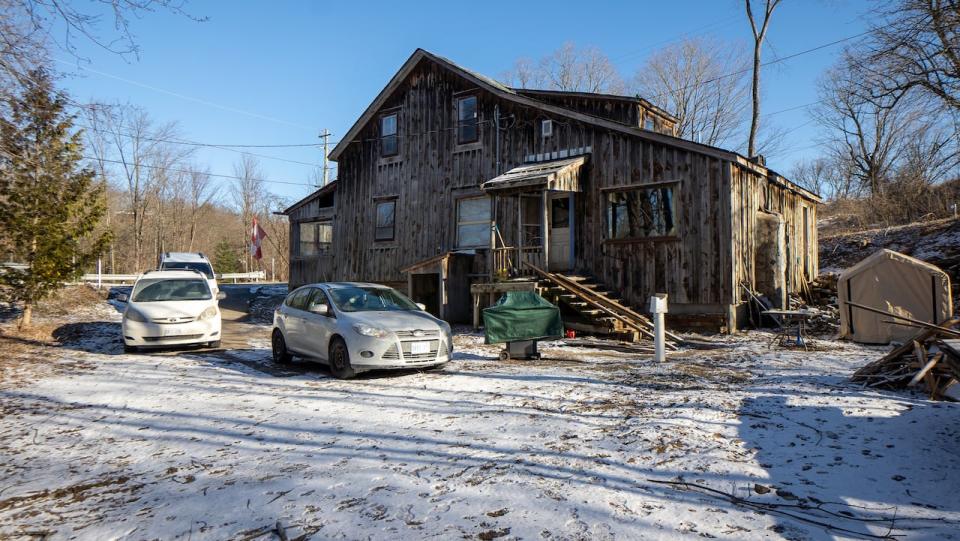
[520, 232]
[545, 204]
[493, 235]
[571, 215]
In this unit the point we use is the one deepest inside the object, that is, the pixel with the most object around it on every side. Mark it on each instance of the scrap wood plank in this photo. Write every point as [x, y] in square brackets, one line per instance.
[926, 369]
[915, 322]
[922, 336]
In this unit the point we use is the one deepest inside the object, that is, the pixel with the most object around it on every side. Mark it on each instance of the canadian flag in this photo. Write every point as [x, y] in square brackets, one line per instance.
[257, 234]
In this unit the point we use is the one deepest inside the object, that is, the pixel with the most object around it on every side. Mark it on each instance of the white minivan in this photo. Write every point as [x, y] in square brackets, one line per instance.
[190, 261]
[171, 308]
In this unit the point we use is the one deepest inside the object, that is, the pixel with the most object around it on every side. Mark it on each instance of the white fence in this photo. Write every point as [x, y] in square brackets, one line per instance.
[243, 276]
[130, 278]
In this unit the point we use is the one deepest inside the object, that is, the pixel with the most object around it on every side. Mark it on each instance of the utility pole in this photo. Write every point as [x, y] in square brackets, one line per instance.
[325, 136]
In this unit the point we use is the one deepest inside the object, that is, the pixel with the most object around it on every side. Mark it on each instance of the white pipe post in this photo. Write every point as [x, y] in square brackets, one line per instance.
[658, 307]
[99, 272]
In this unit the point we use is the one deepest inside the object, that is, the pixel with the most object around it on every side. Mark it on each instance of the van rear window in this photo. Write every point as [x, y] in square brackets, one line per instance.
[185, 265]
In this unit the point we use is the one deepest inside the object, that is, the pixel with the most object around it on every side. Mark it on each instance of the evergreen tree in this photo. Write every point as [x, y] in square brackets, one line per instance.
[225, 258]
[49, 203]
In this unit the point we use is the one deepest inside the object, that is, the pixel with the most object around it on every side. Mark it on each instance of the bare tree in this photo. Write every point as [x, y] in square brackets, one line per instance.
[568, 68]
[691, 80]
[248, 194]
[915, 44]
[29, 29]
[201, 197]
[868, 135]
[140, 148]
[758, 36]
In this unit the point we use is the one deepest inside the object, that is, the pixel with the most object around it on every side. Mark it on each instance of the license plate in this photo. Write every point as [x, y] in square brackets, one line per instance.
[419, 348]
[172, 332]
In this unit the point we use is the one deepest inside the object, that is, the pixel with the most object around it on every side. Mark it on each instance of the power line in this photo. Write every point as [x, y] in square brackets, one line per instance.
[191, 143]
[684, 35]
[187, 171]
[765, 64]
[181, 96]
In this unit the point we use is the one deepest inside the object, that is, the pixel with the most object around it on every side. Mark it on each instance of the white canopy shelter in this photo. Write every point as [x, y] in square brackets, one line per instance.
[897, 284]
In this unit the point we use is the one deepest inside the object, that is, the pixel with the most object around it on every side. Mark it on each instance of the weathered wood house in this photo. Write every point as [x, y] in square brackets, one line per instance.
[450, 179]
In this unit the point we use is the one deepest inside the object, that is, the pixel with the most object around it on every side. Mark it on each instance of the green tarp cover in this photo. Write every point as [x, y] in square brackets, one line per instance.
[521, 315]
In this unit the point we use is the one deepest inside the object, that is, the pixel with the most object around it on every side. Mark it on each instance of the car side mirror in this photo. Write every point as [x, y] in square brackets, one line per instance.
[320, 308]
[123, 298]
[422, 307]
[221, 295]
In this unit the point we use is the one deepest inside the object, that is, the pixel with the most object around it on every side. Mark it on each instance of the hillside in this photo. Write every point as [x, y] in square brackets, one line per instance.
[936, 242]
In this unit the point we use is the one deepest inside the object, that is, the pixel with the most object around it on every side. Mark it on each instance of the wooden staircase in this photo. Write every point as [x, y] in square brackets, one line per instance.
[601, 310]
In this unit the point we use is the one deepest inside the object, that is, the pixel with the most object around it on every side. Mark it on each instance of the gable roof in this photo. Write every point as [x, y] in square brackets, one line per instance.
[534, 92]
[510, 94]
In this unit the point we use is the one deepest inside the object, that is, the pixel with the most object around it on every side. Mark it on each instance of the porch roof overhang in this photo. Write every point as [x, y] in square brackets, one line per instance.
[558, 175]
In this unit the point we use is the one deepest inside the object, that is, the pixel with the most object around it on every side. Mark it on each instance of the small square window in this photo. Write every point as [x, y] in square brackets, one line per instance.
[648, 123]
[467, 125]
[386, 220]
[389, 144]
[315, 238]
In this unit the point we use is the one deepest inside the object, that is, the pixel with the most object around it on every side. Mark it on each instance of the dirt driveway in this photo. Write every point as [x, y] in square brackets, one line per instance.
[223, 445]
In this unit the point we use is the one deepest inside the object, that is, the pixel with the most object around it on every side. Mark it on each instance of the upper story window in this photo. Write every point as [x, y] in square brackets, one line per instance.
[467, 125]
[641, 213]
[649, 124]
[386, 220]
[473, 222]
[389, 144]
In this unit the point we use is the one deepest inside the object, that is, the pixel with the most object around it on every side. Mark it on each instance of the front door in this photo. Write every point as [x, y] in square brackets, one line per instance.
[561, 217]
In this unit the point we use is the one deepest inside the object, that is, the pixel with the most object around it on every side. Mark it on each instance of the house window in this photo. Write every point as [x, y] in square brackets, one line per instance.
[386, 220]
[389, 145]
[473, 222]
[641, 213]
[648, 123]
[315, 238]
[467, 125]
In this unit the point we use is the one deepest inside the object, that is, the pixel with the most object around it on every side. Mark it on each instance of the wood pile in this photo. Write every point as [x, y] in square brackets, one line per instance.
[930, 360]
[820, 295]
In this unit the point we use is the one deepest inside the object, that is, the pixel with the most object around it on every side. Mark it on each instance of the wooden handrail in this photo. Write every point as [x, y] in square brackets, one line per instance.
[635, 320]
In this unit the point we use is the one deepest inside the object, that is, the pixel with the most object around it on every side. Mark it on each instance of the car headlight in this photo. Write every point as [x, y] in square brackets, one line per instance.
[367, 330]
[208, 313]
[134, 315]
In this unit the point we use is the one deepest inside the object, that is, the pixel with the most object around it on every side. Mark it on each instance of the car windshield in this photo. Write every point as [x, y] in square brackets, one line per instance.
[185, 289]
[370, 299]
[188, 265]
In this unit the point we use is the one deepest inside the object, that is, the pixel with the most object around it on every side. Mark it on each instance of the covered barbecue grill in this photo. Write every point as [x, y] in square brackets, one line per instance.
[520, 319]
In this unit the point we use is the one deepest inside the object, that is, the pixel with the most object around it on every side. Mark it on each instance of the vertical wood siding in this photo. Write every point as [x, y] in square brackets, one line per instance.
[716, 199]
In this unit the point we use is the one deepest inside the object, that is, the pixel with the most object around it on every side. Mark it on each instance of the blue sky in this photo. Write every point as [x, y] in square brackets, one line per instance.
[280, 72]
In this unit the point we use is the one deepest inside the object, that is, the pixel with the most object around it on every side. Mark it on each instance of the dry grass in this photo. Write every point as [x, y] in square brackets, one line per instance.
[31, 353]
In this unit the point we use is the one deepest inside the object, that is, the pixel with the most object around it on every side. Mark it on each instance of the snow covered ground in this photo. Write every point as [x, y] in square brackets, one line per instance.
[208, 445]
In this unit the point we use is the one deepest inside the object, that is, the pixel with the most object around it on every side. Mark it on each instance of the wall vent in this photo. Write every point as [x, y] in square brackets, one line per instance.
[546, 128]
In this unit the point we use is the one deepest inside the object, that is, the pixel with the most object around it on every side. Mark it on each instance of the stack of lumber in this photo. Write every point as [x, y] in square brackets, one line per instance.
[930, 360]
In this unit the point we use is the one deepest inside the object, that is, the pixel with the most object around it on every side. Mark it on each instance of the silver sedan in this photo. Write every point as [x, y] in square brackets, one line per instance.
[355, 327]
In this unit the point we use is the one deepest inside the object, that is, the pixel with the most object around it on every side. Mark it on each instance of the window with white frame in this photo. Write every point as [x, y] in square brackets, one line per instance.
[473, 222]
[315, 238]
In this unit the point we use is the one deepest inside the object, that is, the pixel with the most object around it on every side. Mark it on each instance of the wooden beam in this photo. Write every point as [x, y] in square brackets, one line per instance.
[916, 322]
